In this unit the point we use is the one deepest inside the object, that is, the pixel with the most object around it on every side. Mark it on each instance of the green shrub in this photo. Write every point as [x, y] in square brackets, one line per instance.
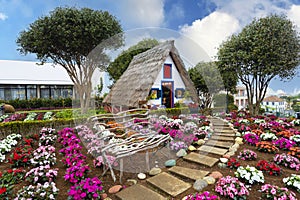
[28, 127]
[171, 111]
[21, 104]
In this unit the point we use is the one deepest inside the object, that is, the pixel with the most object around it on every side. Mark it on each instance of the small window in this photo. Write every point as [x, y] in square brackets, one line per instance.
[179, 93]
[154, 93]
[167, 71]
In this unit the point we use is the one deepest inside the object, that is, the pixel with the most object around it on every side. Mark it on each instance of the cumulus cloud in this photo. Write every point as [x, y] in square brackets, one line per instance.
[211, 31]
[246, 11]
[294, 15]
[137, 13]
[3, 16]
[271, 92]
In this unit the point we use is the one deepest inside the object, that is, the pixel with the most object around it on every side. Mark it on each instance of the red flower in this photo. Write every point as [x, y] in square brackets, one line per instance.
[2, 190]
[16, 156]
[9, 171]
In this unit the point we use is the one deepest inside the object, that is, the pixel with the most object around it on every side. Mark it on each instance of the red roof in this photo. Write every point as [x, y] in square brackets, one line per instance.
[273, 99]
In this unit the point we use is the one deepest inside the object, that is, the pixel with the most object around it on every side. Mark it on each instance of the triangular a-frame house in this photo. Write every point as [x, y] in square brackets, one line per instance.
[158, 74]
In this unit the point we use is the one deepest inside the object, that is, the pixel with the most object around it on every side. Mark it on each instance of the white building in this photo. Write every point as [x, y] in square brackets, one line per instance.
[240, 98]
[274, 104]
[27, 80]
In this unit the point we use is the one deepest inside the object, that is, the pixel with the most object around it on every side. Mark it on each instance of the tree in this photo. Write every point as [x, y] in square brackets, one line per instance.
[207, 80]
[120, 64]
[66, 37]
[266, 48]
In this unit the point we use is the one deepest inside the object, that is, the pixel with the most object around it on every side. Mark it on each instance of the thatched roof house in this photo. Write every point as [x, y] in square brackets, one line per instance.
[159, 71]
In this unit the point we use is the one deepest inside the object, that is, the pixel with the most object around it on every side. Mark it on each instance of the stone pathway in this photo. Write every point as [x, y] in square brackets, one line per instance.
[176, 180]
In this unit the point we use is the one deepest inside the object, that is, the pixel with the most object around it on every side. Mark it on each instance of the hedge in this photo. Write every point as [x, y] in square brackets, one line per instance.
[40, 103]
[28, 127]
[171, 111]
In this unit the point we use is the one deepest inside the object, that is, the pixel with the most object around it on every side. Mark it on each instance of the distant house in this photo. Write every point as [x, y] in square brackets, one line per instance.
[157, 77]
[274, 104]
[27, 80]
[240, 98]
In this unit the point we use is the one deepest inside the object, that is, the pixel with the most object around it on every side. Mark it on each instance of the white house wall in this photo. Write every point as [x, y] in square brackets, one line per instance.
[176, 78]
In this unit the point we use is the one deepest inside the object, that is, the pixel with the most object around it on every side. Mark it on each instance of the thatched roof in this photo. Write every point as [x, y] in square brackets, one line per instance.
[135, 83]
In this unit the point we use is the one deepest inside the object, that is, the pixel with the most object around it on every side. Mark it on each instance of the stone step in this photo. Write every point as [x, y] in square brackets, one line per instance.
[224, 134]
[227, 128]
[225, 138]
[169, 184]
[193, 174]
[139, 192]
[201, 159]
[213, 150]
[219, 143]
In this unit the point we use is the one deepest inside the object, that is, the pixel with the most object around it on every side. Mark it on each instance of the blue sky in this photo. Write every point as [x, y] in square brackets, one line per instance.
[207, 22]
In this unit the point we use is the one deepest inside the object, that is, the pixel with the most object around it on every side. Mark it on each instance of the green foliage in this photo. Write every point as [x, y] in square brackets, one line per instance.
[21, 104]
[266, 48]
[70, 37]
[35, 126]
[219, 99]
[171, 111]
[120, 64]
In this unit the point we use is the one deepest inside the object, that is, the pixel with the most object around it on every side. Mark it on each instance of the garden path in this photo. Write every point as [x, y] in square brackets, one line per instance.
[176, 180]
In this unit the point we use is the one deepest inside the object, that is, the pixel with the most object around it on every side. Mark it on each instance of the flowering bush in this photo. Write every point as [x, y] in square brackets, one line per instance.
[20, 156]
[8, 179]
[7, 144]
[99, 161]
[250, 174]
[201, 196]
[274, 192]
[232, 188]
[47, 140]
[41, 174]
[76, 173]
[177, 145]
[285, 133]
[48, 115]
[284, 143]
[12, 176]
[267, 147]
[45, 191]
[271, 168]
[294, 151]
[30, 117]
[89, 188]
[73, 159]
[296, 139]
[247, 154]
[44, 155]
[268, 136]
[293, 181]
[287, 161]
[251, 138]
[233, 163]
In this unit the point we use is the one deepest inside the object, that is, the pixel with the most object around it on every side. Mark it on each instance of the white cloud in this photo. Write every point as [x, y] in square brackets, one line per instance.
[3, 16]
[145, 13]
[294, 15]
[246, 11]
[211, 31]
[271, 92]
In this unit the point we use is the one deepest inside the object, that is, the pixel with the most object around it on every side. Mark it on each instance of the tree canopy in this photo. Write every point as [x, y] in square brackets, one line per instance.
[266, 48]
[66, 37]
[121, 63]
[207, 80]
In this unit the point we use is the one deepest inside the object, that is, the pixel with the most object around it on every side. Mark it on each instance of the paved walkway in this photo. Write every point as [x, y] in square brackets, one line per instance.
[176, 180]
